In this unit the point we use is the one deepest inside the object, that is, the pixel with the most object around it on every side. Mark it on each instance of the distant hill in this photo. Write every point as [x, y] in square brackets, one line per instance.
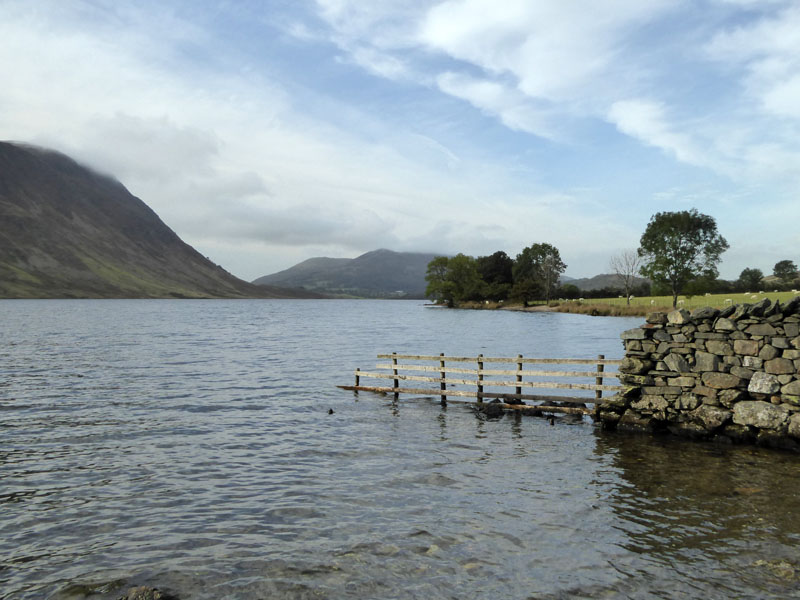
[68, 232]
[377, 274]
[608, 280]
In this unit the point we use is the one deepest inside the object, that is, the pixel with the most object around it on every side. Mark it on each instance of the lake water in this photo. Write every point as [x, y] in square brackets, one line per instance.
[187, 445]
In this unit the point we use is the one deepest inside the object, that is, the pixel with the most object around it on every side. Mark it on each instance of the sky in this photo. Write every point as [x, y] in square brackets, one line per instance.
[268, 132]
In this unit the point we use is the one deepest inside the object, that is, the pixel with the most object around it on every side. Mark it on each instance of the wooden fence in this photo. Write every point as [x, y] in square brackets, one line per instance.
[456, 379]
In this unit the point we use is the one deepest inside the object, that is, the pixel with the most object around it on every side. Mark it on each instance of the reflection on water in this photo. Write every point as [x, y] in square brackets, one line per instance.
[188, 445]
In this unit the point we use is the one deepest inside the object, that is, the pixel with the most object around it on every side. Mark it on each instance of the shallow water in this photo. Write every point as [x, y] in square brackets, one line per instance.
[188, 445]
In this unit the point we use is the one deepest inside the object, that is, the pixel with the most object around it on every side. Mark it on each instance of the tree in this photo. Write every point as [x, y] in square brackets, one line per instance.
[625, 266]
[496, 272]
[439, 289]
[680, 246]
[750, 279]
[537, 269]
[453, 280]
[785, 270]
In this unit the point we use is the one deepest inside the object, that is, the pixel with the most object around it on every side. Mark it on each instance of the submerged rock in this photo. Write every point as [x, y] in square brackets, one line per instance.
[147, 593]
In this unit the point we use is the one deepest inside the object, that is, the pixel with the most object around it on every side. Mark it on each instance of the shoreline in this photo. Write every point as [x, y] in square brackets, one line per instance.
[580, 308]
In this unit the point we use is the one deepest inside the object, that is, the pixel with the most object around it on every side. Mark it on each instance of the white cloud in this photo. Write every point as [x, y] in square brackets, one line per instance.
[646, 121]
[513, 108]
[769, 51]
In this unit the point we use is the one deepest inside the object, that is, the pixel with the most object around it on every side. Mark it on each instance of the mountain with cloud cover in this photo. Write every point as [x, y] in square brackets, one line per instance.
[69, 232]
[377, 274]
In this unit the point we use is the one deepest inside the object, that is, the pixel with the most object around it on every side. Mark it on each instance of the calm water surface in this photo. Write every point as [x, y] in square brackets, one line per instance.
[188, 445]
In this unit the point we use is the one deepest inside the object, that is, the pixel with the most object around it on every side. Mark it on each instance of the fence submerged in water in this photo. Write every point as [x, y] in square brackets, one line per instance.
[482, 383]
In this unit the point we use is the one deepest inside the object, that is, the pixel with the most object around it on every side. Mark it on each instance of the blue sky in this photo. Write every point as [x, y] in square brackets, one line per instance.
[265, 133]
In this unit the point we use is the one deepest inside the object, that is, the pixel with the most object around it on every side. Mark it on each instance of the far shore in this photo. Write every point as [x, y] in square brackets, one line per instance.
[595, 309]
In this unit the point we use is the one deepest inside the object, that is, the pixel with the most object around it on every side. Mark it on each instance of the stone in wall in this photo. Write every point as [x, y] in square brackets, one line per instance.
[731, 373]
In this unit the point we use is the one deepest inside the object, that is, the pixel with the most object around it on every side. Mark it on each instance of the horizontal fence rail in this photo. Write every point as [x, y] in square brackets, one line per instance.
[493, 383]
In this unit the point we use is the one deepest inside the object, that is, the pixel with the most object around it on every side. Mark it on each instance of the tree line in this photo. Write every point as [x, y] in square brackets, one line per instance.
[678, 253]
[533, 275]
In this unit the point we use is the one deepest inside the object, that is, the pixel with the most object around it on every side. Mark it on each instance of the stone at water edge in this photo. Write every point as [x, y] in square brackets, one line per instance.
[760, 414]
[147, 593]
[711, 417]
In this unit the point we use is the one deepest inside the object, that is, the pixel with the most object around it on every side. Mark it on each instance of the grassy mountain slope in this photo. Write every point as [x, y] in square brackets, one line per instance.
[68, 232]
[377, 274]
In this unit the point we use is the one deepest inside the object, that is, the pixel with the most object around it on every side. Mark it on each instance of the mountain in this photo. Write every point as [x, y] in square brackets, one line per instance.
[68, 232]
[608, 280]
[377, 274]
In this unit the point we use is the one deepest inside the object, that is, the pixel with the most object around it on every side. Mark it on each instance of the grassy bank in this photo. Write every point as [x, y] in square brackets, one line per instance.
[617, 307]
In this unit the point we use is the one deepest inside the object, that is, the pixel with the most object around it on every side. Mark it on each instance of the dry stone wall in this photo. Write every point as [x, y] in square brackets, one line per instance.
[733, 375]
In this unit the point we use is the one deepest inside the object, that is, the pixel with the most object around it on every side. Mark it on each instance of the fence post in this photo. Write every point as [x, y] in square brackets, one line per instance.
[394, 372]
[480, 378]
[519, 376]
[599, 379]
[442, 385]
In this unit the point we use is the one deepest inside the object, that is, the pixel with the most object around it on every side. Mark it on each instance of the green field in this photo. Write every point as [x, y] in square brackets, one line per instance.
[691, 302]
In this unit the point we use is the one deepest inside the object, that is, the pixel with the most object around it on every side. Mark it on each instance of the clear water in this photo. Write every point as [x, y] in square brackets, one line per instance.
[187, 445]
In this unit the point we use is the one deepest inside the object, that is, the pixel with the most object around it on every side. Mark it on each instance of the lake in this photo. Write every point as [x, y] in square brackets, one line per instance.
[187, 445]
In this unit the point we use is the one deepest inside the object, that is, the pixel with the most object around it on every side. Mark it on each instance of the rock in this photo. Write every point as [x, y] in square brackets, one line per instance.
[723, 324]
[780, 342]
[792, 389]
[635, 366]
[768, 352]
[721, 381]
[688, 430]
[761, 329]
[763, 415]
[617, 402]
[726, 312]
[711, 417]
[752, 362]
[779, 366]
[637, 333]
[739, 311]
[719, 347]
[705, 361]
[632, 421]
[792, 307]
[746, 347]
[763, 383]
[683, 381]
[730, 397]
[738, 433]
[676, 363]
[147, 593]
[650, 403]
[657, 318]
[742, 372]
[492, 410]
[706, 312]
[760, 308]
[679, 317]
[794, 426]
[791, 329]
[687, 402]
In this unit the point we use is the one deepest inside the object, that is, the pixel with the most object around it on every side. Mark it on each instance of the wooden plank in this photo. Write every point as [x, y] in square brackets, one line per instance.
[479, 372]
[487, 383]
[472, 394]
[599, 380]
[538, 361]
